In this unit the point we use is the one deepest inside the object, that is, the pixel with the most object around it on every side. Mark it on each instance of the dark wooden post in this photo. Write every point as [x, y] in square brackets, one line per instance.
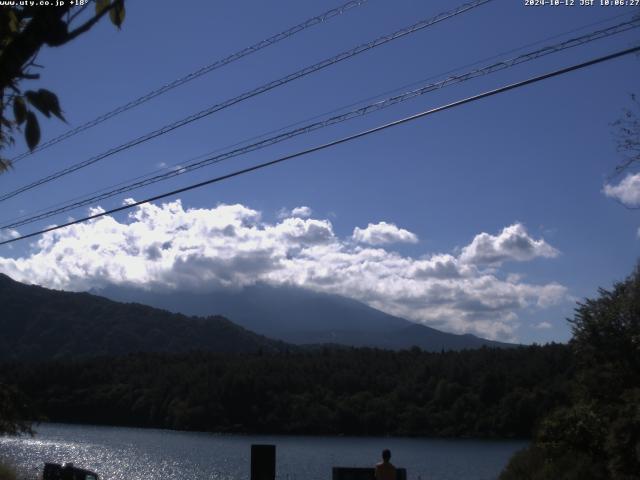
[263, 462]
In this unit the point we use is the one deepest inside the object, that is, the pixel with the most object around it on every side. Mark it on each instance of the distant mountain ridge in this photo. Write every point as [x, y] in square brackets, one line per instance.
[37, 323]
[302, 316]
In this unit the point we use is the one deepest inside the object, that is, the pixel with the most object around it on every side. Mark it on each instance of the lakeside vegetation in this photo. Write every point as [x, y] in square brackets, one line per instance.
[580, 403]
[597, 435]
[475, 393]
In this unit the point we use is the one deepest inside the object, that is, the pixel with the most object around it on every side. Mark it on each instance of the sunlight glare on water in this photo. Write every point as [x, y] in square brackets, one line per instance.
[117, 453]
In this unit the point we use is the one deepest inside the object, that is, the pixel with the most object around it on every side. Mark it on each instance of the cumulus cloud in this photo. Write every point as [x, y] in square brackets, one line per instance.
[512, 244]
[301, 212]
[170, 247]
[383, 233]
[626, 192]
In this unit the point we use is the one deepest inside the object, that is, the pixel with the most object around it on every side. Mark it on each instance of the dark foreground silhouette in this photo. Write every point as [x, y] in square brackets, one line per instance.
[597, 435]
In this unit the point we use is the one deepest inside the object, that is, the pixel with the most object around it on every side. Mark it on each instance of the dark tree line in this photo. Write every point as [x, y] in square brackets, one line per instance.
[597, 435]
[15, 411]
[480, 393]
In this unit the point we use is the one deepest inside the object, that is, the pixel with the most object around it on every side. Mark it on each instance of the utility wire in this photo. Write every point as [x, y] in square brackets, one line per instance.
[363, 100]
[358, 102]
[365, 110]
[178, 165]
[113, 190]
[257, 91]
[323, 17]
[333, 143]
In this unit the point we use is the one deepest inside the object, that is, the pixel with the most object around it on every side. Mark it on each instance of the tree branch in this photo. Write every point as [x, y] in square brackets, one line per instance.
[26, 44]
[86, 26]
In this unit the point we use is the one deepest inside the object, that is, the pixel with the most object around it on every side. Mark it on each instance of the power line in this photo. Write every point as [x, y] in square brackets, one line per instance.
[178, 165]
[257, 91]
[367, 99]
[377, 96]
[365, 110]
[323, 17]
[155, 176]
[333, 143]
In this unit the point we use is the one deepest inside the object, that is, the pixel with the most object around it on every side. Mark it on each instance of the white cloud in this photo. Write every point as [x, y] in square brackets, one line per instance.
[8, 234]
[169, 247]
[543, 325]
[302, 212]
[512, 244]
[383, 233]
[626, 192]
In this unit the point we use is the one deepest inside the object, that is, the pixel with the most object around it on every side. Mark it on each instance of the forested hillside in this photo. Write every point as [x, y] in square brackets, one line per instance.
[481, 393]
[38, 324]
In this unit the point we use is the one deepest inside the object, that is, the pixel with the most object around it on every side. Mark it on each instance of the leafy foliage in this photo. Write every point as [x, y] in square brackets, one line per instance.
[534, 463]
[45, 101]
[15, 413]
[24, 30]
[116, 14]
[600, 430]
[32, 131]
[480, 393]
[628, 134]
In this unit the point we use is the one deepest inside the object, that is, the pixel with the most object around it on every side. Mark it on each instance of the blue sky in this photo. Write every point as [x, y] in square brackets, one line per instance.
[537, 157]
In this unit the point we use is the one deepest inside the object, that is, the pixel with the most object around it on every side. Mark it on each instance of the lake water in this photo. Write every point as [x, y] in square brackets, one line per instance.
[118, 453]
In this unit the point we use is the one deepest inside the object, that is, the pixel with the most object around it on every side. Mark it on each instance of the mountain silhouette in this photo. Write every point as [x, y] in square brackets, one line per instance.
[40, 324]
[302, 316]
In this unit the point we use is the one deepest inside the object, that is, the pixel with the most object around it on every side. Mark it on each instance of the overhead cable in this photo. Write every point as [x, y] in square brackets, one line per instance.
[333, 143]
[252, 93]
[318, 19]
[358, 112]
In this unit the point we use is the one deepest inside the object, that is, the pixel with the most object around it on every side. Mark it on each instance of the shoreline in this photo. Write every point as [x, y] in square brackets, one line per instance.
[274, 434]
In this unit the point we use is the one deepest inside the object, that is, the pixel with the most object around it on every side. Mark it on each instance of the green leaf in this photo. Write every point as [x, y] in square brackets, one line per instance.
[117, 13]
[19, 110]
[101, 5]
[46, 102]
[32, 131]
[50, 101]
[36, 101]
[14, 23]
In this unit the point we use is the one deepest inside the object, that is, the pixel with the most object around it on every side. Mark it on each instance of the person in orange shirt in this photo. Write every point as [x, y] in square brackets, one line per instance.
[385, 469]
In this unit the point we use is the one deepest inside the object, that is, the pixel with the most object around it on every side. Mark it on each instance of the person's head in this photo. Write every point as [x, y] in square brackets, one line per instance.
[386, 454]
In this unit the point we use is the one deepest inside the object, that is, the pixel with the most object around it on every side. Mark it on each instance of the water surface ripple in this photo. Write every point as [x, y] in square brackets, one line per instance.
[118, 453]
